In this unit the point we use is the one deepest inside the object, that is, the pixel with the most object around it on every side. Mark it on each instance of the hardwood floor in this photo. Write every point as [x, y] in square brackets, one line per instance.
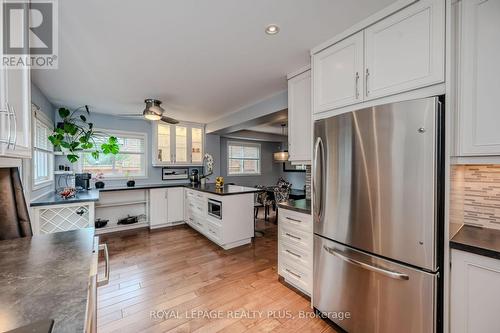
[176, 280]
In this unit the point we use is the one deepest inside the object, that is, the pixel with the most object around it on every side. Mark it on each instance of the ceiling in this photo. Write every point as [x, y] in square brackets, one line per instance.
[204, 59]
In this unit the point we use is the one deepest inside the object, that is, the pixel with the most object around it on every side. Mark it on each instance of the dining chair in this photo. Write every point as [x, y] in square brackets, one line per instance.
[14, 217]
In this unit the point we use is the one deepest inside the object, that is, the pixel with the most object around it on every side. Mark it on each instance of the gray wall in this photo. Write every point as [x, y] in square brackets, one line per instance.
[109, 122]
[270, 171]
[38, 98]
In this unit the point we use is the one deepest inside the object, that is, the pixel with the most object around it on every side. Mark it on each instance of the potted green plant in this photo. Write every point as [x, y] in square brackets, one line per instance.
[75, 134]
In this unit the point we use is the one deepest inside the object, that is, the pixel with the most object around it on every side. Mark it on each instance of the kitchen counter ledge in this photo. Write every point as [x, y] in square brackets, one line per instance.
[482, 241]
[46, 277]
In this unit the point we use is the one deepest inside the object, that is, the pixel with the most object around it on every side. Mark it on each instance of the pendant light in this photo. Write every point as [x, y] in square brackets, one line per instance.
[282, 155]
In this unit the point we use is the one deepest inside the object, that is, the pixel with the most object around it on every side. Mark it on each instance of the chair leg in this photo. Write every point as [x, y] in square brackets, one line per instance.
[266, 213]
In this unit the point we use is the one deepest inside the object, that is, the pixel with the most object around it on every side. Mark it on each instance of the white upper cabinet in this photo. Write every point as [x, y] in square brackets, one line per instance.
[180, 144]
[338, 72]
[15, 106]
[299, 118]
[406, 50]
[402, 52]
[479, 79]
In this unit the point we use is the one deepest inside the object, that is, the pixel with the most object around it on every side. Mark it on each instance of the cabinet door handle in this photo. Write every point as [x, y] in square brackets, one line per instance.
[292, 236]
[357, 85]
[159, 155]
[366, 81]
[9, 131]
[106, 261]
[294, 220]
[294, 274]
[293, 254]
[13, 114]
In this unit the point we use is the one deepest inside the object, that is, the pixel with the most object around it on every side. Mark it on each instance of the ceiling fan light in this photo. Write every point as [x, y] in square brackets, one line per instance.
[151, 116]
[153, 110]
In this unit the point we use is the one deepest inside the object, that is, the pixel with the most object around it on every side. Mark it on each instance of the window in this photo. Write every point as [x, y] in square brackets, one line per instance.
[243, 158]
[43, 152]
[129, 162]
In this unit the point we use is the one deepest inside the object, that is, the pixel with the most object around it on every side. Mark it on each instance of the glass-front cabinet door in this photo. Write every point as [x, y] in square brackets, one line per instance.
[164, 151]
[180, 144]
[196, 145]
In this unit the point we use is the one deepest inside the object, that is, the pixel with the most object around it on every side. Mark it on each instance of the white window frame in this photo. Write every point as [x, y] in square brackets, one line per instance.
[244, 144]
[39, 116]
[118, 133]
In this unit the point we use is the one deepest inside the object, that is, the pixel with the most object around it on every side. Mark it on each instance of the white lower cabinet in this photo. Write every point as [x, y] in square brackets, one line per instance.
[295, 249]
[234, 228]
[166, 207]
[475, 293]
[65, 217]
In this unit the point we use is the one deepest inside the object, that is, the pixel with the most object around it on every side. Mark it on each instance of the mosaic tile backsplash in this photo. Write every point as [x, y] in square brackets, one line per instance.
[475, 195]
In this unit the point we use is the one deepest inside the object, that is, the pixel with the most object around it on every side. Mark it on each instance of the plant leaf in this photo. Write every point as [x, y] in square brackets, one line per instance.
[63, 112]
[72, 158]
[95, 154]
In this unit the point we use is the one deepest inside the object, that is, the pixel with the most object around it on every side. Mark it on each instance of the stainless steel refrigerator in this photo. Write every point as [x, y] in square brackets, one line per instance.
[378, 216]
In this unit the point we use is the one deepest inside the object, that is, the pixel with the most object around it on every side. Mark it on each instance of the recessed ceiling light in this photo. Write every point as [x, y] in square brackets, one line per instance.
[272, 29]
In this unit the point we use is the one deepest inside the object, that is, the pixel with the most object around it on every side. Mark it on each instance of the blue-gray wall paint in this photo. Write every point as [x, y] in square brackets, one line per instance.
[38, 98]
[270, 171]
[109, 122]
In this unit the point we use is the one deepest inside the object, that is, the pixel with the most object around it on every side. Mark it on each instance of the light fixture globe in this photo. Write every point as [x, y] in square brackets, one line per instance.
[153, 110]
[281, 156]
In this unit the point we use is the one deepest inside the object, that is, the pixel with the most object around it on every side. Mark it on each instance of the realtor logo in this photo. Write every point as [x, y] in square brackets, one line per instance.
[29, 35]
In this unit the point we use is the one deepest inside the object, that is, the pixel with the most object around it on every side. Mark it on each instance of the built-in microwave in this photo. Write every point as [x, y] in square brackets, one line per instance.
[215, 208]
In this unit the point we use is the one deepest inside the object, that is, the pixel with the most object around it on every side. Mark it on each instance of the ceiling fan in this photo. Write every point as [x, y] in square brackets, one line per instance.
[153, 111]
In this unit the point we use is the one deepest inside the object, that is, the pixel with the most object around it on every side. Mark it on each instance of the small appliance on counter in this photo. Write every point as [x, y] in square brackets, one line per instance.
[82, 181]
[195, 177]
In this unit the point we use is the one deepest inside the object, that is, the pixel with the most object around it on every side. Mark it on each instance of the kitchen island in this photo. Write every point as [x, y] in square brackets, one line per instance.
[47, 278]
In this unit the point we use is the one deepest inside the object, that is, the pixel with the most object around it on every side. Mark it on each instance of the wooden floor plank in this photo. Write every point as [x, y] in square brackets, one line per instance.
[179, 271]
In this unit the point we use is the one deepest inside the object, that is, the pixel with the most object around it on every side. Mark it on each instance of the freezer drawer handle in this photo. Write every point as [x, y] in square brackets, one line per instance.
[391, 274]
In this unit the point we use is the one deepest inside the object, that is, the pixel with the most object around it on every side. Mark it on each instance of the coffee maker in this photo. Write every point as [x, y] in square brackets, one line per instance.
[194, 177]
[82, 181]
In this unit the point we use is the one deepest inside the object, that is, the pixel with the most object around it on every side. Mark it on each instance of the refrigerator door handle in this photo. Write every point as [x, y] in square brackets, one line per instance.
[385, 272]
[318, 179]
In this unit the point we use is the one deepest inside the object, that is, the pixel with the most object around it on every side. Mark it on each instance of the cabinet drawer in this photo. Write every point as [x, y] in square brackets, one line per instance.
[295, 220]
[295, 255]
[214, 231]
[295, 237]
[297, 277]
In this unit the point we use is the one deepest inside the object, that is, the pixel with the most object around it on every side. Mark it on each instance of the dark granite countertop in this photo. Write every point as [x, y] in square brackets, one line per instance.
[482, 241]
[46, 277]
[225, 190]
[55, 199]
[301, 206]
[140, 187]
[93, 195]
